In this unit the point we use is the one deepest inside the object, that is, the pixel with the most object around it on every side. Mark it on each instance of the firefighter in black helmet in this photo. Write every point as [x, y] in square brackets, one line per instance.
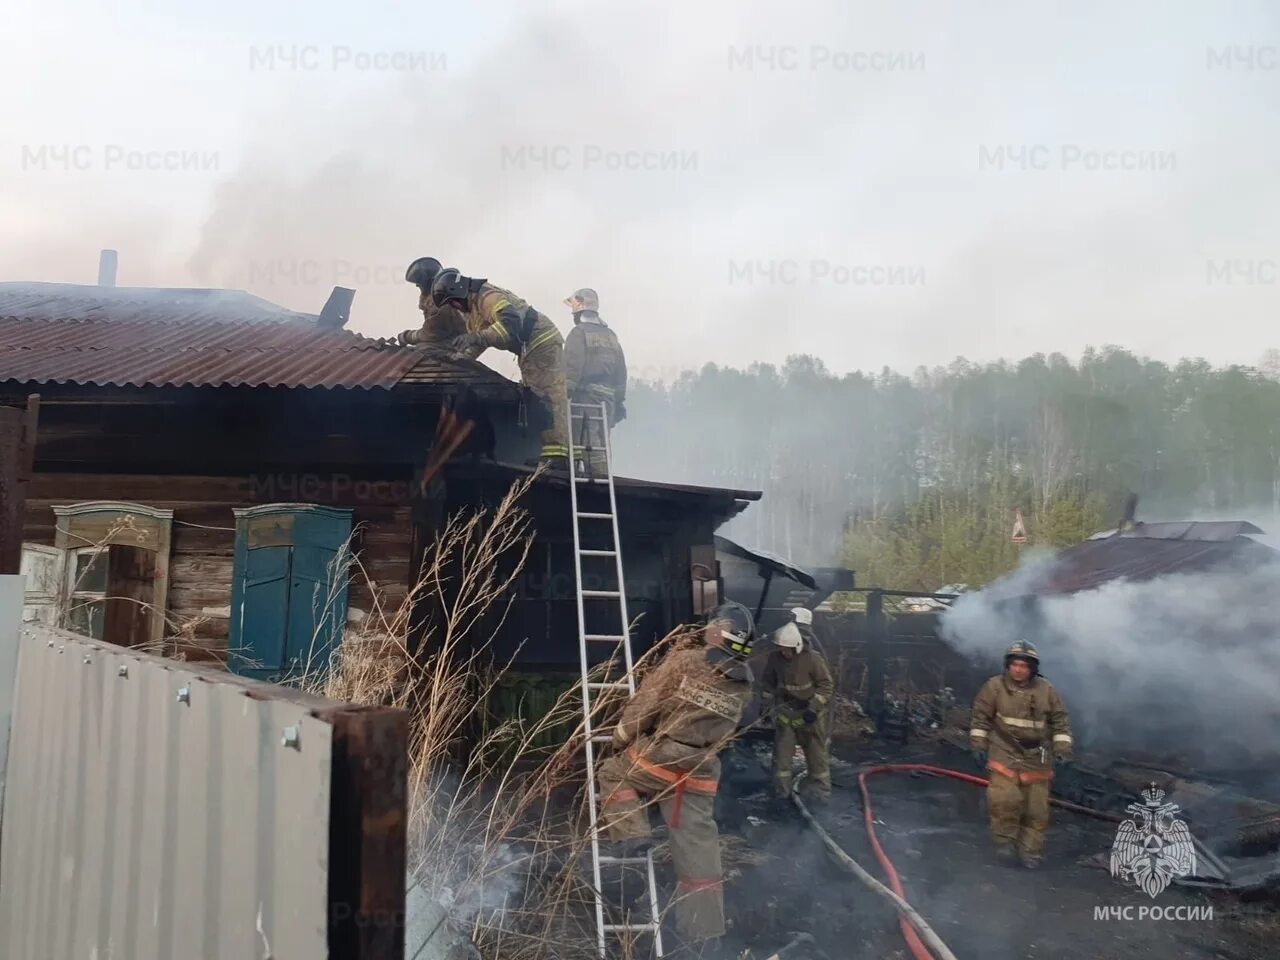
[498, 318]
[1019, 730]
[441, 326]
[667, 745]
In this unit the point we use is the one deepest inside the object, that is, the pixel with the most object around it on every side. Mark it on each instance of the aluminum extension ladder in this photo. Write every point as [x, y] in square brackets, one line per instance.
[584, 414]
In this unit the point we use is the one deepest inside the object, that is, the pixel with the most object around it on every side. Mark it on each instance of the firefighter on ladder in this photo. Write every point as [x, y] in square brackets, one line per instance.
[595, 371]
[797, 687]
[1019, 730]
[666, 747]
[498, 318]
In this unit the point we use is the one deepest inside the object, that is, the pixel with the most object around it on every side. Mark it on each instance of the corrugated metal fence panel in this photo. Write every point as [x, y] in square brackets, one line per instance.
[143, 827]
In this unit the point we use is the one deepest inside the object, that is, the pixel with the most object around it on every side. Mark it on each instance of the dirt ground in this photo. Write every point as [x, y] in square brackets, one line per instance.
[781, 879]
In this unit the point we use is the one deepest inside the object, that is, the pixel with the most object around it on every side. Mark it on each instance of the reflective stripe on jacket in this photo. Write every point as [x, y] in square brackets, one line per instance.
[1021, 726]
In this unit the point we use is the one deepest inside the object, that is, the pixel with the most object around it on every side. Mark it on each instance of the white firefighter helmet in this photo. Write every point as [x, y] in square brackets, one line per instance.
[802, 616]
[787, 637]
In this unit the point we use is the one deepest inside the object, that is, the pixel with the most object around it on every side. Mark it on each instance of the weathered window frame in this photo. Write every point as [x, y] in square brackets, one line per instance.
[102, 523]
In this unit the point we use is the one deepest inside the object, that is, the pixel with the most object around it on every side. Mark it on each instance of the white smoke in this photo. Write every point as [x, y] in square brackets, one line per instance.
[1185, 667]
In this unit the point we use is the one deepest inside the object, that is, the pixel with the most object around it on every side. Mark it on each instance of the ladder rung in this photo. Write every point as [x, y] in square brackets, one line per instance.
[578, 479]
[602, 738]
[610, 685]
[604, 638]
[595, 516]
[623, 860]
[601, 594]
[598, 553]
[630, 927]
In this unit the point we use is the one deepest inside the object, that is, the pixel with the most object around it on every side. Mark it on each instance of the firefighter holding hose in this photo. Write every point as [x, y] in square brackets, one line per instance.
[1019, 731]
[666, 747]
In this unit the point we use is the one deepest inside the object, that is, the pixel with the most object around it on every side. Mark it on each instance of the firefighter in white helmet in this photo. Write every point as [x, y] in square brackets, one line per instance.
[797, 688]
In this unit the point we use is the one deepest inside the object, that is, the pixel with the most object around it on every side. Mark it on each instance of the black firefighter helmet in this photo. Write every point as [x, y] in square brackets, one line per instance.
[737, 627]
[423, 272]
[449, 285]
[1025, 651]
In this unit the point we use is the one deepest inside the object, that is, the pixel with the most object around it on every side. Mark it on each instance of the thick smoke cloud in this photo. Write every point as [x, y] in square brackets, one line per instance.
[818, 140]
[1184, 667]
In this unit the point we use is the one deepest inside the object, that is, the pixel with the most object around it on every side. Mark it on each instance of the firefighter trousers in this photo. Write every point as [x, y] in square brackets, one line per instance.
[542, 370]
[628, 783]
[1019, 812]
[812, 739]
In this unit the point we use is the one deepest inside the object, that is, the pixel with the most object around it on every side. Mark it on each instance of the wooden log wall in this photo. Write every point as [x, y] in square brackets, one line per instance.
[204, 537]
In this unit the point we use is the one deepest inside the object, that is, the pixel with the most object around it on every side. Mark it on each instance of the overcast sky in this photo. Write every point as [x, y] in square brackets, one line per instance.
[876, 183]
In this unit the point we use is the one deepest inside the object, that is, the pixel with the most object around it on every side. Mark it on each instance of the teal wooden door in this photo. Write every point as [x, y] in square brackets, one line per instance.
[289, 590]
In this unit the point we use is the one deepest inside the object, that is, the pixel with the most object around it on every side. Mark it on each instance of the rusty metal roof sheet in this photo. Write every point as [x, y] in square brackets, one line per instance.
[128, 342]
[1095, 562]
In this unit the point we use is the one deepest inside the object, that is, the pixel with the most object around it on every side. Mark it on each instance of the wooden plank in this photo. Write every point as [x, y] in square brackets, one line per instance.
[17, 452]
[368, 832]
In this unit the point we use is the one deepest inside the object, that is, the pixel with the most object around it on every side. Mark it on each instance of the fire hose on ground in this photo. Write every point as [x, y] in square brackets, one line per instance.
[915, 931]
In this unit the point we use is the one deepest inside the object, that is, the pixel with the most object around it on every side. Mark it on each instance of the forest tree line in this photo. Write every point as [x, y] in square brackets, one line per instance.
[914, 481]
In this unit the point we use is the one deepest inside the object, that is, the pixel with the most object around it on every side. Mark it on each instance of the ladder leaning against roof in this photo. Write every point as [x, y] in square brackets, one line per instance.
[613, 600]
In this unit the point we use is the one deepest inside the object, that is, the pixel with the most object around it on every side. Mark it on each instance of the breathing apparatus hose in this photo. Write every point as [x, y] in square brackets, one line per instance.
[915, 931]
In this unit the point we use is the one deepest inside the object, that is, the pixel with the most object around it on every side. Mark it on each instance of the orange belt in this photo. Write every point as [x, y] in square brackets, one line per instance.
[679, 779]
[621, 795]
[1026, 776]
[696, 884]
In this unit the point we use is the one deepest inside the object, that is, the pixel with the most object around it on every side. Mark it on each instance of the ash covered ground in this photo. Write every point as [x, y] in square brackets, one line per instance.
[782, 881]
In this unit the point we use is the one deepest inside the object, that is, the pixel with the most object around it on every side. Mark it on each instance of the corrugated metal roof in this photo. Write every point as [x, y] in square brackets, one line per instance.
[56, 301]
[1184, 530]
[202, 342]
[1096, 562]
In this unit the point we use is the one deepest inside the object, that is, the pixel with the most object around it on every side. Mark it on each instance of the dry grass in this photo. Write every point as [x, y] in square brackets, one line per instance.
[496, 827]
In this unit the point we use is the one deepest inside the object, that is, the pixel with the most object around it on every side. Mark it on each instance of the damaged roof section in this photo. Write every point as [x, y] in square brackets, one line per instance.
[118, 337]
[1144, 551]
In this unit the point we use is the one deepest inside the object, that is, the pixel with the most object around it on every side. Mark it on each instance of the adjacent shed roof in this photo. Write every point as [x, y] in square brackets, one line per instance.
[58, 333]
[1143, 552]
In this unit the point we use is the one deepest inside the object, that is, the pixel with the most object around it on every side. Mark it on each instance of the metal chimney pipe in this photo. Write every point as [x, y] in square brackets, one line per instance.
[107, 262]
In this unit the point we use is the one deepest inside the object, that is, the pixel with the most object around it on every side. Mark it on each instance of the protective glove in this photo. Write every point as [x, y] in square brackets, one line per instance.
[619, 412]
[980, 759]
[1063, 761]
[465, 343]
[810, 716]
[620, 739]
[407, 338]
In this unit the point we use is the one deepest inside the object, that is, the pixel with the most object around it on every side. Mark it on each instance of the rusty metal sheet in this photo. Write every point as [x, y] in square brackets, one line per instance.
[61, 339]
[144, 824]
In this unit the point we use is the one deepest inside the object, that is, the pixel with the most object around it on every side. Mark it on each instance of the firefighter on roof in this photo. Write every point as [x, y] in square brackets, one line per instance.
[595, 371]
[497, 318]
[797, 687]
[666, 750]
[441, 326]
[1019, 730]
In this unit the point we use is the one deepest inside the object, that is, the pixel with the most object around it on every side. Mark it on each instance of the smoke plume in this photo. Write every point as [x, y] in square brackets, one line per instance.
[1184, 667]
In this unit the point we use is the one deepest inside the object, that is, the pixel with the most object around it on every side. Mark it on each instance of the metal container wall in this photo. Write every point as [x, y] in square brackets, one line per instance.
[155, 812]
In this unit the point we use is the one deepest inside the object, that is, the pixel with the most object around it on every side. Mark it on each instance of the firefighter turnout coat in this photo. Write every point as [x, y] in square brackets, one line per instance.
[666, 748]
[498, 318]
[1022, 726]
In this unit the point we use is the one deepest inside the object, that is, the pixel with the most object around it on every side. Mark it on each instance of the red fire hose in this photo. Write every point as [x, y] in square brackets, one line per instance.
[909, 934]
